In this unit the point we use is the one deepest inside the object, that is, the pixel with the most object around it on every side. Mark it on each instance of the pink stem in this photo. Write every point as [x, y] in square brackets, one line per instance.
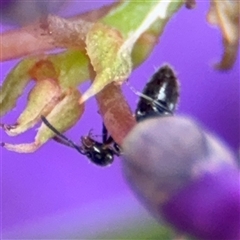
[115, 111]
[20, 42]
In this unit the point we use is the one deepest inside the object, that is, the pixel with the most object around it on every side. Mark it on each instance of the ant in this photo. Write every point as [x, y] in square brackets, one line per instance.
[99, 153]
[158, 98]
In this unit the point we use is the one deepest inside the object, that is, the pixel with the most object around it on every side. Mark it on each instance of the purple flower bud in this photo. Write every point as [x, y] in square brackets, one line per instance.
[184, 175]
[208, 208]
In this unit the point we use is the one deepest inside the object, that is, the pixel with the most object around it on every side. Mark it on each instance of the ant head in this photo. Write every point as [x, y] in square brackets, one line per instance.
[87, 142]
[97, 152]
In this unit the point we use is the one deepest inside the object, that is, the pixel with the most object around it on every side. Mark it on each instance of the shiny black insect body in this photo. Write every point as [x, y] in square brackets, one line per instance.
[160, 95]
[99, 153]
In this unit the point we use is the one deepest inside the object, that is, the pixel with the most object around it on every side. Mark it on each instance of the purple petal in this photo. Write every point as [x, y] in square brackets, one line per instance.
[208, 208]
[172, 164]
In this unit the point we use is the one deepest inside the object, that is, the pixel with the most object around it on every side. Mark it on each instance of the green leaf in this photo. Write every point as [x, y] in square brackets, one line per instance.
[109, 47]
[14, 85]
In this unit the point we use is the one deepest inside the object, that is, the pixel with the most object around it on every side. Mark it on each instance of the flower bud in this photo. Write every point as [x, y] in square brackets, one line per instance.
[184, 175]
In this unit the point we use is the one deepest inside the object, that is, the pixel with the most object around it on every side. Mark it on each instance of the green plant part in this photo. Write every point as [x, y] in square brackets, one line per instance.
[52, 93]
[105, 43]
[41, 100]
[68, 69]
[110, 48]
[14, 85]
[64, 115]
[113, 45]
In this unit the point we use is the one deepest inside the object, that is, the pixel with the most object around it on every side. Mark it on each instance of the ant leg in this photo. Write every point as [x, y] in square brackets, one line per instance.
[60, 138]
[105, 137]
[117, 149]
[107, 140]
[65, 142]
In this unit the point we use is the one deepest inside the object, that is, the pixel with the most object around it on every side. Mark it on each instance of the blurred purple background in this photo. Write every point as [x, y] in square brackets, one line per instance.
[57, 192]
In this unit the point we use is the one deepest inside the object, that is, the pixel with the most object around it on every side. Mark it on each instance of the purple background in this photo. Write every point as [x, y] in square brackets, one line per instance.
[47, 192]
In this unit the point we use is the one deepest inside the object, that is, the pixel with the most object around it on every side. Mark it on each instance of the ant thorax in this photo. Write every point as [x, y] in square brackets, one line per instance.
[97, 152]
[87, 142]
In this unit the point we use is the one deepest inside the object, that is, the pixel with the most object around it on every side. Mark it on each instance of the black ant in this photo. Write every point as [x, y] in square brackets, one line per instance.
[159, 97]
[99, 153]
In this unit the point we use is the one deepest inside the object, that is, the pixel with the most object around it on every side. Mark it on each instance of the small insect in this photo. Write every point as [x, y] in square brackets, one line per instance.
[101, 154]
[159, 96]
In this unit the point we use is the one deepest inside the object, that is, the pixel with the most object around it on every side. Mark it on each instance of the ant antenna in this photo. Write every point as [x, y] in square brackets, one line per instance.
[60, 137]
[146, 97]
